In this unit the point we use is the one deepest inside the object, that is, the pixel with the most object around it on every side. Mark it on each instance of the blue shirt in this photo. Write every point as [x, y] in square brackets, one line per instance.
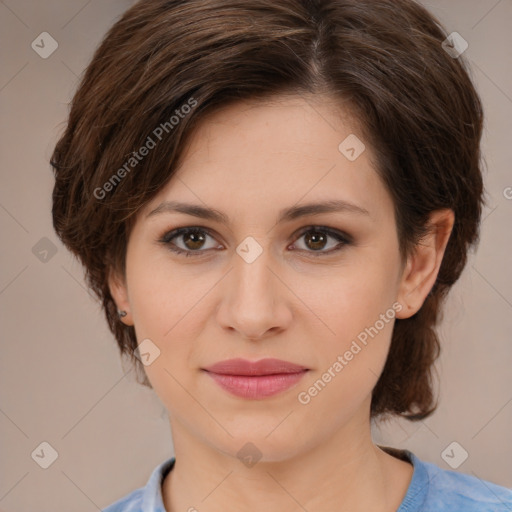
[431, 489]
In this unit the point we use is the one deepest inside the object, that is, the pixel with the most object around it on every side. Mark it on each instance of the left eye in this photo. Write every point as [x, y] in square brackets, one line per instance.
[315, 240]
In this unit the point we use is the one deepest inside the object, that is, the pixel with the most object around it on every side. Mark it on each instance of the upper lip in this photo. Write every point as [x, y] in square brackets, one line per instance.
[266, 366]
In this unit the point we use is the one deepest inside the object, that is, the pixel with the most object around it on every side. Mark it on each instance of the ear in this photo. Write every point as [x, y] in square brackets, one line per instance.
[119, 292]
[422, 267]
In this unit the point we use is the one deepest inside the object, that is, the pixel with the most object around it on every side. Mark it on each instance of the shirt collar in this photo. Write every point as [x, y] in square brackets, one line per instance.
[418, 487]
[152, 500]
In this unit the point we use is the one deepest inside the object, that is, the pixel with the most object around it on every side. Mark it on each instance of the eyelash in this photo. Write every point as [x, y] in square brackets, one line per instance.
[343, 238]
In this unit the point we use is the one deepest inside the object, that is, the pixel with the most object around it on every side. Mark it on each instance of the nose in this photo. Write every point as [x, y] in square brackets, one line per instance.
[255, 301]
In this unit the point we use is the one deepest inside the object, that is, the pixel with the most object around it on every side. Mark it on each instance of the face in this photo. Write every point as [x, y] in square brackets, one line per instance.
[267, 278]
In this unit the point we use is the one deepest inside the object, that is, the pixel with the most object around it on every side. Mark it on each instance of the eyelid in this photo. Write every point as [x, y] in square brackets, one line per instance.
[343, 239]
[334, 232]
[177, 232]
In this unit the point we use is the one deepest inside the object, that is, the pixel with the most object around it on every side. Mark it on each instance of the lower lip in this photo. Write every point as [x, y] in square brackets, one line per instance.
[256, 387]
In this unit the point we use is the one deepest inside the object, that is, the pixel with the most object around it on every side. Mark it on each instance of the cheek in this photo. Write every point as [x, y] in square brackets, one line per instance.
[355, 307]
[168, 306]
[160, 294]
[164, 305]
[351, 299]
[351, 360]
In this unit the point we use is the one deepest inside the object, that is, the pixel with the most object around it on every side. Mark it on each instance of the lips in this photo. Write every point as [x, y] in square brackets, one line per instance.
[255, 380]
[261, 367]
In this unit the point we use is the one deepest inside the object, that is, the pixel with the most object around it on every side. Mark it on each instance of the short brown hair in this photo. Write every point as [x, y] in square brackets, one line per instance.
[416, 105]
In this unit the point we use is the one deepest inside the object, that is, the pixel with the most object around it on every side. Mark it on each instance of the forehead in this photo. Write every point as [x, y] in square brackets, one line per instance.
[255, 155]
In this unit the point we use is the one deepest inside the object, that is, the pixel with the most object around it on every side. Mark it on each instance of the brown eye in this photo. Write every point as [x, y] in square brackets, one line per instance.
[316, 240]
[188, 241]
[193, 240]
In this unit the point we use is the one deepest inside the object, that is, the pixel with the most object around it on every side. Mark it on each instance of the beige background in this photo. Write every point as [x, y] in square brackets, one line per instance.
[61, 379]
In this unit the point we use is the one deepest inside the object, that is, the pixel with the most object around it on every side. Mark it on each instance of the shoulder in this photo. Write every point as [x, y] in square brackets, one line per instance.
[453, 491]
[130, 503]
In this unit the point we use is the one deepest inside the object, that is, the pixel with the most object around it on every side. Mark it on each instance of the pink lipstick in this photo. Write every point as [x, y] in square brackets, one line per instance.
[255, 380]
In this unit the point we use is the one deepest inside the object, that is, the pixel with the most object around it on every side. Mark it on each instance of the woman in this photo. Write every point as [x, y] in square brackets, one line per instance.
[272, 199]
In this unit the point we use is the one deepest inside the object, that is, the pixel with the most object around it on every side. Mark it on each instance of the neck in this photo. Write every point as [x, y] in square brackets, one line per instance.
[347, 472]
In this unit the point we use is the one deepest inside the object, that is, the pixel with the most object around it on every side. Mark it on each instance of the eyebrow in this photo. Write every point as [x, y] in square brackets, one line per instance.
[285, 215]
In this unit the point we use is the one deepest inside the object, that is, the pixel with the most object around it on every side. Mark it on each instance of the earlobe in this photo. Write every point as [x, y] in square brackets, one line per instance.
[119, 292]
[420, 272]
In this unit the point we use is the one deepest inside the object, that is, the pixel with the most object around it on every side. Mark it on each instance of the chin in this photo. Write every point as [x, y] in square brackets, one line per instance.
[256, 443]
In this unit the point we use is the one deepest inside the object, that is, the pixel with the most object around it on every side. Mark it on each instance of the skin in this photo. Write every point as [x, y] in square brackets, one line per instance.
[249, 161]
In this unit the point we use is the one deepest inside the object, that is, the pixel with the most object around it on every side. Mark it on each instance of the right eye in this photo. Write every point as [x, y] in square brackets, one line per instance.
[192, 240]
